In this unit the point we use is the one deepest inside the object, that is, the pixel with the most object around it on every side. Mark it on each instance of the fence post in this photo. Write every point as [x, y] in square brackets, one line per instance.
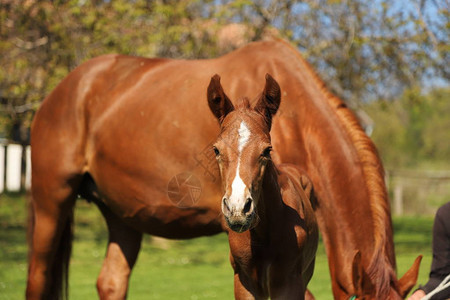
[2, 167]
[398, 198]
[28, 168]
[14, 167]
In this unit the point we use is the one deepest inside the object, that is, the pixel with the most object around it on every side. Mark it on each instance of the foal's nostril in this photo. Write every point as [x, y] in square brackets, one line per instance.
[248, 207]
[225, 208]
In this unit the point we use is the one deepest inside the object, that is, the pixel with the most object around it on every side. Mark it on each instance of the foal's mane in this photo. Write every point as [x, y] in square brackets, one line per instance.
[243, 103]
[373, 172]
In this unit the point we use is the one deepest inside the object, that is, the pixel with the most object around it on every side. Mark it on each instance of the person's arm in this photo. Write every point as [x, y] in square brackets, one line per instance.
[440, 266]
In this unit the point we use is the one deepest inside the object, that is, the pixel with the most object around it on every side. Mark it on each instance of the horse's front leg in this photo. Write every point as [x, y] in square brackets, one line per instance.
[123, 247]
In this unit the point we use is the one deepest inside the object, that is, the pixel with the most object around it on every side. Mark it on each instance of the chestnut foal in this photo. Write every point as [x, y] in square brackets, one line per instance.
[274, 234]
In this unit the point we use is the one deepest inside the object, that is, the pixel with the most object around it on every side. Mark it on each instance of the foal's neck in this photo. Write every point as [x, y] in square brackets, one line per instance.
[270, 203]
[270, 181]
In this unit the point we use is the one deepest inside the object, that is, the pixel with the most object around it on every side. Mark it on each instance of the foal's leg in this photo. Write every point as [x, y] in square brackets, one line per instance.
[240, 291]
[309, 295]
[123, 247]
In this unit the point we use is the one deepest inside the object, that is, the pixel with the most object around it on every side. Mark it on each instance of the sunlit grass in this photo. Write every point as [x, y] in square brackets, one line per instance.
[189, 269]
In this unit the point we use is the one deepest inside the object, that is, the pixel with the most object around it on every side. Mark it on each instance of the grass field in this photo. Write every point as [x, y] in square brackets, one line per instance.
[190, 269]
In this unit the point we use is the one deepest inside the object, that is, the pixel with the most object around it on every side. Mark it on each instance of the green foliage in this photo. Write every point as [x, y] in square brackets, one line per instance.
[364, 50]
[436, 126]
[413, 129]
[41, 41]
[389, 133]
[184, 29]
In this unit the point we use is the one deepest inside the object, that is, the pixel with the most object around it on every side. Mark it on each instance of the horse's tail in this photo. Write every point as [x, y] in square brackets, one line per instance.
[30, 225]
[60, 268]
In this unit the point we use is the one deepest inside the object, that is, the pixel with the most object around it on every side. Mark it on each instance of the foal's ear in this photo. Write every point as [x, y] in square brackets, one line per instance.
[218, 102]
[270, 99]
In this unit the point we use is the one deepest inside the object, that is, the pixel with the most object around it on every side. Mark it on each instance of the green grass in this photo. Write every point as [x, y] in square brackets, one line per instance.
[189, 269]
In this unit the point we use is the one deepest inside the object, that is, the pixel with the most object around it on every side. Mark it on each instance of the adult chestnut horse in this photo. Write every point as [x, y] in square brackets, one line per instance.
[274, 233]
[118, 128]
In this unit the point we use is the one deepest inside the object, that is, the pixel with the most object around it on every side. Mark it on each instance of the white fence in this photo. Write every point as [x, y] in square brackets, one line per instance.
[15, 172]
[418, 192]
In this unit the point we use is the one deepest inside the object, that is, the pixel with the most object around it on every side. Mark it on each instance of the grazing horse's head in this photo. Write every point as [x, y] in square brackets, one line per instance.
[242, 149]
[379, 280]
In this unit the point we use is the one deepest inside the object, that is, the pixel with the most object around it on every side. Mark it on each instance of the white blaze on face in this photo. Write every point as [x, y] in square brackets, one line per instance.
[244, 135]
[239, 191]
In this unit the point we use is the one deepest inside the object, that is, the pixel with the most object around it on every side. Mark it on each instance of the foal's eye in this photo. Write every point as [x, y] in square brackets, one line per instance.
[216, 151]
[266, 152]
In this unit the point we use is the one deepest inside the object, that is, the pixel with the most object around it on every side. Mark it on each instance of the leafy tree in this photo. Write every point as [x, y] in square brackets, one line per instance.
[363, 49]
[436, 126]
[413, 129]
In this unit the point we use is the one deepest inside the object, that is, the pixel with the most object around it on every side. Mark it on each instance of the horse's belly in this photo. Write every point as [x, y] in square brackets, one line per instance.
[176, 223]
[182, 206]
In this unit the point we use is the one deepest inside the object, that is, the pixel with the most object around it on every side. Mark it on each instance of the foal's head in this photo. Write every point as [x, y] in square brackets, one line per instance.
[243, 149]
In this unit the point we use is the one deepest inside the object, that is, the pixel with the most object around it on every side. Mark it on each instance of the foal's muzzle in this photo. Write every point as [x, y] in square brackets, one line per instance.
[239, 217]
